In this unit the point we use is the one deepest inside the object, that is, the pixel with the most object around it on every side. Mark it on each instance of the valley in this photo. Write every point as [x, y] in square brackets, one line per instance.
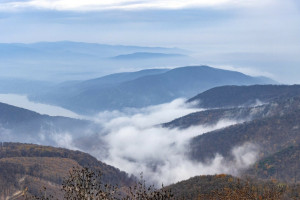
[246, 137]
[149, 100]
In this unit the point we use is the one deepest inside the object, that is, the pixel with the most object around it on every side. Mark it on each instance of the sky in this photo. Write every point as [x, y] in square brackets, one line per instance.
[260, 37]
[88, 5]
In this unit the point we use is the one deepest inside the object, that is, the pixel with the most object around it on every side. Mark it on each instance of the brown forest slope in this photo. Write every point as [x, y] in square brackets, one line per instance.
[231, 188]
[27, 164]
[283, 165]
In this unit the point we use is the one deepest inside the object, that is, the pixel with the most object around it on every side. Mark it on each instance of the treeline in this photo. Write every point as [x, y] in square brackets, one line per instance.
[86, 184]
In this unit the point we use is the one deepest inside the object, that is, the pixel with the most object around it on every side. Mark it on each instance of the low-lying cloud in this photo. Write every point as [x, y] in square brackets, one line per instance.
[135, 143]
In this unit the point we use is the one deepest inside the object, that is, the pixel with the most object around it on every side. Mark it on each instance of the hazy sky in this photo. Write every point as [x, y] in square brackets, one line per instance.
[257, 36]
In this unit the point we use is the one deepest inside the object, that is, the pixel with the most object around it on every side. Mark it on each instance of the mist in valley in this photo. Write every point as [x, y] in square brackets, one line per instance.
[23, 102]
[134, 140]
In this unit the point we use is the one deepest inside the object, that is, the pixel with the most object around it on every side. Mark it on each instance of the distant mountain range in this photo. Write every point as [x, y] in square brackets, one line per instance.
[66, 60]
[145, 55]
[73, 49]
[142, 88]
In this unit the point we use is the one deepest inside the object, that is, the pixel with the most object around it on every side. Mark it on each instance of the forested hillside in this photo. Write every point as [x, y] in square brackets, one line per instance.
[283, 165]
[233, 96]
[271, 134]
[210, 117]
[34, 166]
[231, 188]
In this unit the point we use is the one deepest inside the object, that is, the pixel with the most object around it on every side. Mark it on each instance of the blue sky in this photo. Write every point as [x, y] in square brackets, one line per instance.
[257, 36]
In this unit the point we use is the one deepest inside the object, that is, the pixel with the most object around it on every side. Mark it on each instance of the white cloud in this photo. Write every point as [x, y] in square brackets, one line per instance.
[135, 143]
[63, 140]
[88, 5]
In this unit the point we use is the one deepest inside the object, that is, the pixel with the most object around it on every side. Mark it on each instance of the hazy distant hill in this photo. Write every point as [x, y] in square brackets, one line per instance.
[18, 124]
[68, 48]
[66, 60]
[34, 166]
[96, 95]
[145, 55]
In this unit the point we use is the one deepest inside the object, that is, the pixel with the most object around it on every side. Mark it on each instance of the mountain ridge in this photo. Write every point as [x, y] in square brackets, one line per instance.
[233, 96]
[145, 55]
[67, 61]
[145, 90]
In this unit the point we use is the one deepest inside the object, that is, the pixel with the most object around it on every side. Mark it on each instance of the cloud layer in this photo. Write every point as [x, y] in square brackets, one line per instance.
[89, 5]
